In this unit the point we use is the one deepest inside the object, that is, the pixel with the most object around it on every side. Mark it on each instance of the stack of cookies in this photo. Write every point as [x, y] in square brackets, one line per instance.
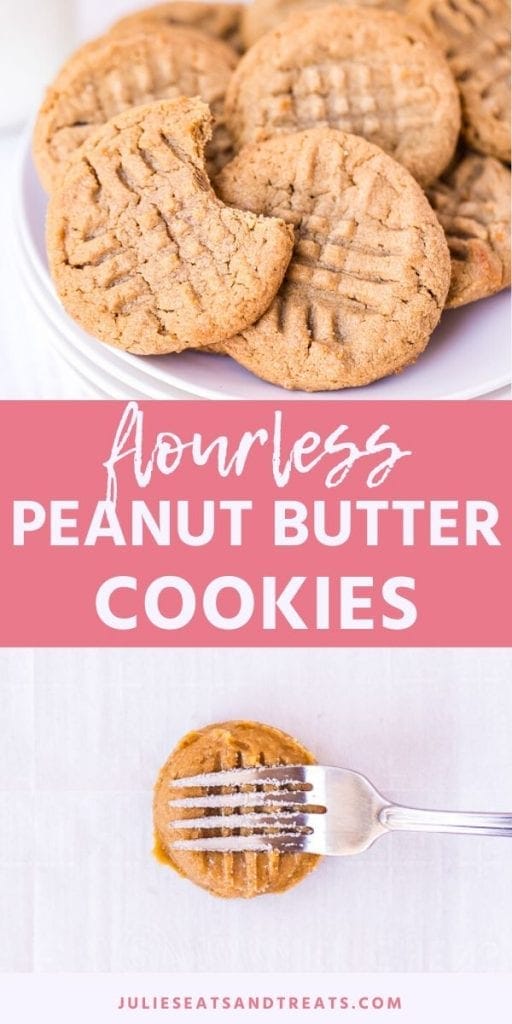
[308, 207]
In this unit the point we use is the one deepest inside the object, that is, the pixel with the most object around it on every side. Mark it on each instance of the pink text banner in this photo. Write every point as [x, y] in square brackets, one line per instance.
[252, 524]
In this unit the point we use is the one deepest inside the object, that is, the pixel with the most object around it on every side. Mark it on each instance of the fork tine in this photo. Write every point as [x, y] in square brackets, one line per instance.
[293, 843]
[282, 821]
[279, 776]
[274, 798]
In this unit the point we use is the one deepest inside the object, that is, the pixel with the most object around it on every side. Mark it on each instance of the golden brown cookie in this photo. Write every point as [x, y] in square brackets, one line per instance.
[143, 254]
[217, 748]
[261, 16]
[370, 271]
[475, 36]
[377, 76]
[113, 74]
[473, 205]
[221, 20]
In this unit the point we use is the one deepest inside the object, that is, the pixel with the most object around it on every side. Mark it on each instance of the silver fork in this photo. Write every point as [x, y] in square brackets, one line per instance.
[305, 809]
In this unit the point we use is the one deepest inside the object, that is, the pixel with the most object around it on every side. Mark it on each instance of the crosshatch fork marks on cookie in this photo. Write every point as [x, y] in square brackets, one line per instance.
[121, 267]
[374, 75]
[217, 749]
[473, 205]
[475, 37]
[345, 251]
[144, 254]
[370, 269]
[110, 75]
[379, 101]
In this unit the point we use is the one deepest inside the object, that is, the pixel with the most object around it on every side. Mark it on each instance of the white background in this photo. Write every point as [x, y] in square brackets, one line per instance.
[424, 998]
[84, 734]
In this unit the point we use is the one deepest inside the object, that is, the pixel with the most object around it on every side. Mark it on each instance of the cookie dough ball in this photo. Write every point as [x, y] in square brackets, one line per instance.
[219, 748]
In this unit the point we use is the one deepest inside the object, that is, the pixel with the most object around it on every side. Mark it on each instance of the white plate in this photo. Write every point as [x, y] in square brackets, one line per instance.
[106, 376]
[469, 354]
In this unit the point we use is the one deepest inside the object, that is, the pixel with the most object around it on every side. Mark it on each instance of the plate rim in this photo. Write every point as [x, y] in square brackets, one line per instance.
[119, 361]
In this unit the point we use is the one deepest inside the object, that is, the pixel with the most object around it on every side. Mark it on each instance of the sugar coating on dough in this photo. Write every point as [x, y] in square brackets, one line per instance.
[370, 271]
[143, 254]
[375, 75]
[475, 36]
[220, 20]
[112, 74]
[472, 202]
[218, 748]
[261, 16]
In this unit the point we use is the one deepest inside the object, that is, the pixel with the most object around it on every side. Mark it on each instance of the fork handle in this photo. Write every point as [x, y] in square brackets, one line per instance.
[410, 819]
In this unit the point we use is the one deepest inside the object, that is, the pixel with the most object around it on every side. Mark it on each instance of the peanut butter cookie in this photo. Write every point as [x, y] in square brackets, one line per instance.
[370, 271]
[473, 206]
[143, 254]
[377, 76]
[217, 748]
[112, 74]
[263, 15]
[475, 36]
[222, 21]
